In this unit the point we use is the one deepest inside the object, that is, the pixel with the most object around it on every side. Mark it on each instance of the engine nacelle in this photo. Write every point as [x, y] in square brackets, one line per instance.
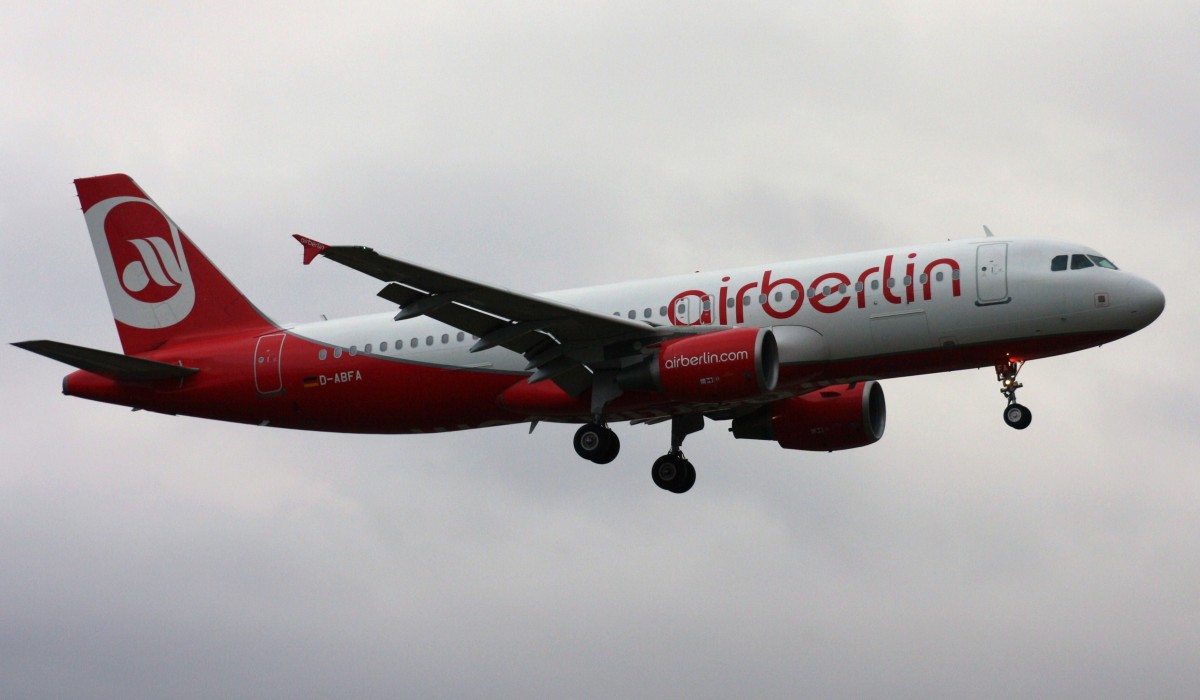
[832, 418]
[726, 365]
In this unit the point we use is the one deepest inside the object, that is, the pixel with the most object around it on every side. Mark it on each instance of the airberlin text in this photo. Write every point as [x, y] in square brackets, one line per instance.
[828, 293]
[706, 358]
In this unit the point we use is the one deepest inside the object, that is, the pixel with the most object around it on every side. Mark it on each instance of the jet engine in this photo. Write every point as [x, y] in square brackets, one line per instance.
[727, 365]
[831, 418]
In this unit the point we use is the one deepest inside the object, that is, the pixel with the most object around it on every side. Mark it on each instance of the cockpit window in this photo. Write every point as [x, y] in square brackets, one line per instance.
[1102, 262]
[1059, 263]
[1078, 262]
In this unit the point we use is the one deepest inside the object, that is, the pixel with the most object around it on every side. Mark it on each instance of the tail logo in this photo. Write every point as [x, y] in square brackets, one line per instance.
[141, 259]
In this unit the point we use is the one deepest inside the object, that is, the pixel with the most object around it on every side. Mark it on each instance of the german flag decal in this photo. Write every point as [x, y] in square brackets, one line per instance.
[312, 382]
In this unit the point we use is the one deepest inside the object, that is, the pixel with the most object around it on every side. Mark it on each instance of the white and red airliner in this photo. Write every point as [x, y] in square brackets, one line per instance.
[790, 352]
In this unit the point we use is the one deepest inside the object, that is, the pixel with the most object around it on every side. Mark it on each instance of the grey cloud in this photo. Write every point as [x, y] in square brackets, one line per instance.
[545, 147]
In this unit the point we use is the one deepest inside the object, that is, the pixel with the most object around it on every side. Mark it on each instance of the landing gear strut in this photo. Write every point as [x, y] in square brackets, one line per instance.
[673, 472]
[1015, 415]
[597, 442]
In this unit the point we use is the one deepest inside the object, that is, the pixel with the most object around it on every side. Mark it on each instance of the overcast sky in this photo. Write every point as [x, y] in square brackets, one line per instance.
[547, 145]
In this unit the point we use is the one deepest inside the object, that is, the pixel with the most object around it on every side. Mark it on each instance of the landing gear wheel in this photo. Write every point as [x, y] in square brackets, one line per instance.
[597, 443]
[673, 473]
[1017, 416]
[609, 453]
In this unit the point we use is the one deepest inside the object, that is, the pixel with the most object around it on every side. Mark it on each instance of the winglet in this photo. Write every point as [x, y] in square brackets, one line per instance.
[311, 248]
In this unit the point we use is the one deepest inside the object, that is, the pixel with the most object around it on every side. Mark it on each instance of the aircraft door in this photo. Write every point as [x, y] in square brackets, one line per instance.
[693, 310]
[991, 270]
[268, 370]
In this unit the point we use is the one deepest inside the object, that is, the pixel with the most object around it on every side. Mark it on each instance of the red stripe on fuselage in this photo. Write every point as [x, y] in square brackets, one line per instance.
[370, 394]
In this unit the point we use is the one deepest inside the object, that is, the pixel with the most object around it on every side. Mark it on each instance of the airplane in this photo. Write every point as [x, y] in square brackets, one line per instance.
[791, 352]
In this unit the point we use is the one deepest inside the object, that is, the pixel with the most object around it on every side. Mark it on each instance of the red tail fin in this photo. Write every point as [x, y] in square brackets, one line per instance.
[160, 286]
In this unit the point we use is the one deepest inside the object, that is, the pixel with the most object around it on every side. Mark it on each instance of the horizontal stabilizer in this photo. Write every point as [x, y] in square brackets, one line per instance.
[122, 368]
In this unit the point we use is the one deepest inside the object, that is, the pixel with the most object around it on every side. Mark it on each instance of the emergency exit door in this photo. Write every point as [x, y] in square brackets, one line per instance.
[268, 370]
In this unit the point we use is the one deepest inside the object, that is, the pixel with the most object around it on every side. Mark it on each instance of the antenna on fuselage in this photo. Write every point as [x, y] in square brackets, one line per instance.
[989, 233]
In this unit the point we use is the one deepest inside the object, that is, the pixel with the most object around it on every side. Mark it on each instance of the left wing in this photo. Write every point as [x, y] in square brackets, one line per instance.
[561, 342]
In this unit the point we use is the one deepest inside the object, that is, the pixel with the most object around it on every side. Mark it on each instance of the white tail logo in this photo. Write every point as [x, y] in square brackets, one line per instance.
[156, 255]
[153, 288]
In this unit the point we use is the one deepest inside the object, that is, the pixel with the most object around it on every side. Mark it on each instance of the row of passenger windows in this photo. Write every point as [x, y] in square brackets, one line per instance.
[1079, 261]
[795, 294]
[413, 343]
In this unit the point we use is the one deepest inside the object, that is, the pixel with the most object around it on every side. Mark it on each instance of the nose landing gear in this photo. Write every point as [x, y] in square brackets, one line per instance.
[1015, 415]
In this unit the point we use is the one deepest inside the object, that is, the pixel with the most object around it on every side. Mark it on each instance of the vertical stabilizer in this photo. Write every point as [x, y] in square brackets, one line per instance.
[160, 286]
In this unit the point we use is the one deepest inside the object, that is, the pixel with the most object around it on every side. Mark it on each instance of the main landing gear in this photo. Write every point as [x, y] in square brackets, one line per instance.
[1015, 415]
[597, 443]
[671, 472]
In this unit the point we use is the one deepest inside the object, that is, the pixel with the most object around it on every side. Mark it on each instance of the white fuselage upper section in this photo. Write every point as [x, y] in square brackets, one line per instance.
[957, 293]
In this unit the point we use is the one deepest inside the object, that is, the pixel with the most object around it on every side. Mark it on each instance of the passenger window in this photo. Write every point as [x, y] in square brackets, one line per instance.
[706, 305]
[1059, 263]
[729, 302]
[908, 280]
[632, 314]
[429, 340]
[924, 279]
[353, 350]
[461, 335]
[662, 311]
[445, 338]
[875, 285]
[778, 296]
[413, 343]
[795, 294]
[891, 282]
[1079, 262]
[1102, 262]
[322, 354]
[940, 276]
[954, 275]
[811, 292]
[746, 300]
[842, 289]
[337, 352]
[825, 291]
[646, 313]
[859, 286]
[367, 348]
[383, 346]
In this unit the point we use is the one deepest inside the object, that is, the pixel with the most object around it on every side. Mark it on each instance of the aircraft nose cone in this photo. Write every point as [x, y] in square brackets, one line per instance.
[1146, 301]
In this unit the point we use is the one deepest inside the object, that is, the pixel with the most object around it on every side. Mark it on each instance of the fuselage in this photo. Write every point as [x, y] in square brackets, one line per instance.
[841, 319]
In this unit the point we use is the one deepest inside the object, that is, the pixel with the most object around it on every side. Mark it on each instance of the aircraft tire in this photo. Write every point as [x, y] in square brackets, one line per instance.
[611, 448]
[1017, 416]
[674, 474]
[596, 443]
